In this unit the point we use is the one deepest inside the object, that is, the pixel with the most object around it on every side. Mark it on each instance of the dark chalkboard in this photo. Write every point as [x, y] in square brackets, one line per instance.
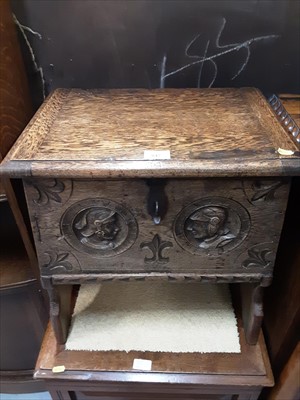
[160, 43]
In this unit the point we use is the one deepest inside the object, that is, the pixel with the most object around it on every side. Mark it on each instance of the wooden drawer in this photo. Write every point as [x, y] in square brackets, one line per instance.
[221, 227]
[89, 395]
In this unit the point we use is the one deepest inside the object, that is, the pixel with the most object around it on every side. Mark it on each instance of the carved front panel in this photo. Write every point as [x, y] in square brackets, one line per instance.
[206, 227]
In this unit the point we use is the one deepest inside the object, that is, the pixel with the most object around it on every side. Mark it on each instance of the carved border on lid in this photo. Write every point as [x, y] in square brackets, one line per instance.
[35, 132]
[276, 132]
[285, 119]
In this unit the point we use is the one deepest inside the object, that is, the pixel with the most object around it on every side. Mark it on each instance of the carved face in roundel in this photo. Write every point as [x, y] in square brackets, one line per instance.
[100, 224]
[99, 227]
[206, 222]
[213, 225]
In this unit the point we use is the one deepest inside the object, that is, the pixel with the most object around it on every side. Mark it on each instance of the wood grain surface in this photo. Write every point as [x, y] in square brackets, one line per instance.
[221, 132]
[122, 124]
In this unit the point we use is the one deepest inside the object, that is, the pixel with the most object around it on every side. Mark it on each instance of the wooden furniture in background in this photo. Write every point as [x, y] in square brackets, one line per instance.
[288, 383]
[282, 305]
[23, 312]
[15, 104]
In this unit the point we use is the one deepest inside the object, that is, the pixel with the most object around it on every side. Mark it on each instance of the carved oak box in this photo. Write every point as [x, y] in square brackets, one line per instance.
[143, 184]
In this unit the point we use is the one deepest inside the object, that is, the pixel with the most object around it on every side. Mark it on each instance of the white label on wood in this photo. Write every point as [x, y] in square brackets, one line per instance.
[157, 155]
[143, 365]
[59, 369]
[284, 152]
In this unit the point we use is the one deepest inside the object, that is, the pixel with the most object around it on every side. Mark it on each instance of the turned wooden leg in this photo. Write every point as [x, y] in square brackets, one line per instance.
[60, 297]
[252, 310]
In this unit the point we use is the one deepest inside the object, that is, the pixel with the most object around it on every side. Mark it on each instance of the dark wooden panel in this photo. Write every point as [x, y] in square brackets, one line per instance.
[86, 395]
[23, 319]
[20, 382]
[15, 106]
[23, 314]
[14, 262]
[282, 307]
[127, 43]
[125, 393]
[288, 384]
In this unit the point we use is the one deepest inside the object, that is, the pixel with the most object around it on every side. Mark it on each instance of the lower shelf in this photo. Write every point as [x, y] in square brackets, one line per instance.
[109, 375]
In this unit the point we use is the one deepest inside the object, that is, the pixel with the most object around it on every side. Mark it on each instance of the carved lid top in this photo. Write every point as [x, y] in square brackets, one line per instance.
[154, 133]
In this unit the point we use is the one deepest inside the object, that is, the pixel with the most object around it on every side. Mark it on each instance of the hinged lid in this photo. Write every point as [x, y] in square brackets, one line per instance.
[154, 133]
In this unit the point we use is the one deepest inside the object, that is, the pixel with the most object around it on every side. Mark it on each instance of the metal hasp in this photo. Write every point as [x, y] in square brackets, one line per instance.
[157, 201]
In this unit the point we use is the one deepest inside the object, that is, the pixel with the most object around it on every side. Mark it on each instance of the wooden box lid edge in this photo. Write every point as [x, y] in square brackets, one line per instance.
[221, 163]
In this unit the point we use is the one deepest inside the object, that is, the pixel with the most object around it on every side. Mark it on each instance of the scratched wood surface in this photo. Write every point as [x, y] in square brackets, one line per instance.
[105, 133]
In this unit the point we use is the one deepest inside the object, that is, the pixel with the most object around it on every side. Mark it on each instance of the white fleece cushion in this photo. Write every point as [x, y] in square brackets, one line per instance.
[154, 316]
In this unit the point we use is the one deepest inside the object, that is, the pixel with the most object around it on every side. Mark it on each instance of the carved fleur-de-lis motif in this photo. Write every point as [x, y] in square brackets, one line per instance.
[48, 190]
[156, 246]
[258, 258]
[58, 262]
[265, 192]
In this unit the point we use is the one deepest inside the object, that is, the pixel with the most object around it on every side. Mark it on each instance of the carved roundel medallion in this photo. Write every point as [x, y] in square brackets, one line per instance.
[99, 227]
[211, 225]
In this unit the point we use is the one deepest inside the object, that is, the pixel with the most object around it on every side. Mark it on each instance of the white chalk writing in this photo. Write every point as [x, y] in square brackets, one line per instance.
[201, 59]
